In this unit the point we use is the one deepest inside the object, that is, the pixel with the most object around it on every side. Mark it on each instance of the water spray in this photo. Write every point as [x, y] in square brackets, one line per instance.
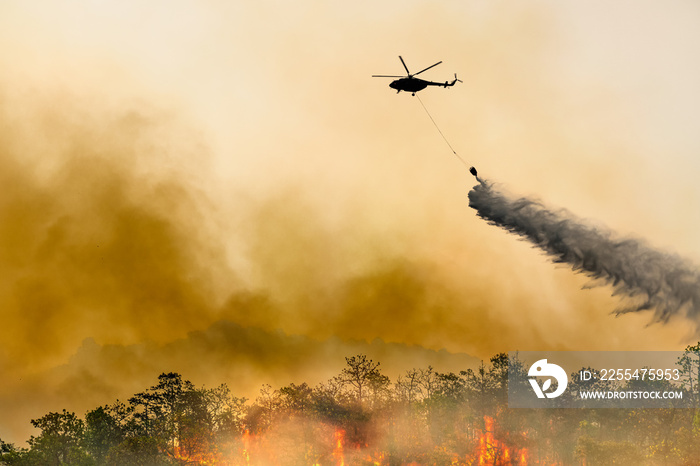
[663, 283]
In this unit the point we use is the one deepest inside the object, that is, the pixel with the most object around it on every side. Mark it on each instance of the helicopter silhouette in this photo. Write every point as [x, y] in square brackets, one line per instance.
[410, 84]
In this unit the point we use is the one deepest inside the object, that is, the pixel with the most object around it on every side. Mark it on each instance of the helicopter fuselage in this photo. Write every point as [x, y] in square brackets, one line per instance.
[409, 84]
[414, 85]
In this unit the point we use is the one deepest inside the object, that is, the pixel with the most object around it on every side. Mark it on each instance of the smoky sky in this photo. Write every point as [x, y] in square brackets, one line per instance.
[647, 278]
[91, 239]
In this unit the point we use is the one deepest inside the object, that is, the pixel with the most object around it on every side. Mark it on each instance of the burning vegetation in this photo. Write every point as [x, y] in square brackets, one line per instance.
[360, 417]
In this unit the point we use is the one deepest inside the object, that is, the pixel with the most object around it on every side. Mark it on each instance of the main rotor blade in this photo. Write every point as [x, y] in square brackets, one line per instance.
[386, 76]
[436, 64]
[404, 65]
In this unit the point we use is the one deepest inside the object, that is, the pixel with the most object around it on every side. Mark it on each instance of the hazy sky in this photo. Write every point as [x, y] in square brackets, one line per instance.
[168, 165]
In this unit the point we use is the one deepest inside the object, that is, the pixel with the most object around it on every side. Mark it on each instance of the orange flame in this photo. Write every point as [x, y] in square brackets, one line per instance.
[492, 452]
[378, 460]
[246, 446]
[339, 438]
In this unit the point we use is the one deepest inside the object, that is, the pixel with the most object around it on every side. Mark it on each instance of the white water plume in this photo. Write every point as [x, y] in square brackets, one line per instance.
[664, 283]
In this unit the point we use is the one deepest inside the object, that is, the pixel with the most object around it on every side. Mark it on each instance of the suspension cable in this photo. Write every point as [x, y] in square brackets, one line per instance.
[443, 136]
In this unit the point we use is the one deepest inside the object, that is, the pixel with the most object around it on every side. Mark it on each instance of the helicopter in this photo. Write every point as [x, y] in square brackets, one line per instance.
[410, 84]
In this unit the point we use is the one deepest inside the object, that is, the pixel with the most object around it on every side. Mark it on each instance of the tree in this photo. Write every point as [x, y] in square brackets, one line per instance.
[194, 427]
[690, 371]
[329, 402]
[407, 388]
[296, 399]
[9, 455]
[261, 415]
[102, 433]
[360, 374]
[171, 419]
[226, 411]
[59, 441]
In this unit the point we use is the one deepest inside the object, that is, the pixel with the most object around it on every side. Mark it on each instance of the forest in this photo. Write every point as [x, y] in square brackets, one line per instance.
[361, 417]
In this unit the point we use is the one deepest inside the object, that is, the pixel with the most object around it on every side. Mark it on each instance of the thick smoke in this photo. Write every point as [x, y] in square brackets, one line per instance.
[658, 281]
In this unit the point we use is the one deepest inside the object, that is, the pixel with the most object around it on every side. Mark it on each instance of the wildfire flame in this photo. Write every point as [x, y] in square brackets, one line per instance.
[246, 446]
[339, 439]
[492, 452]
[262, 450]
